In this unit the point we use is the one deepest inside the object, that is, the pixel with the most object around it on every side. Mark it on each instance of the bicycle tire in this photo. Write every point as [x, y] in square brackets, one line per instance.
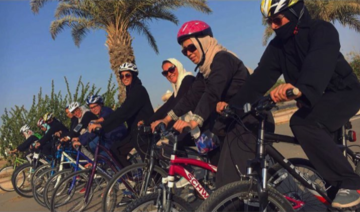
[39, 184]
[38, 171]
[357, 169]
[74, 199]
[51, 185]
[293, 189]
[147, 200]
[5, 178]
[228, 197]
[21, 180]
[112, 194]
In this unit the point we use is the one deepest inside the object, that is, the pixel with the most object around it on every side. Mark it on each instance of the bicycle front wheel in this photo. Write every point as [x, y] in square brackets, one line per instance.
[243, 196]
[74, 186]
[52, 183]
[126, 185]
[21, 180]
[39, 184]
[5, 178]
[151, 202]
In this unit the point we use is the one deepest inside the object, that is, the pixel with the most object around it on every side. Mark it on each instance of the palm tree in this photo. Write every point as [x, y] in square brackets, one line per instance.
[117, 18]
[345, 12]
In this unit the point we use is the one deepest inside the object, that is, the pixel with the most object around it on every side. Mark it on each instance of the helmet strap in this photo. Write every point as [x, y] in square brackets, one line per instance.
[296, 30]
[203, 55]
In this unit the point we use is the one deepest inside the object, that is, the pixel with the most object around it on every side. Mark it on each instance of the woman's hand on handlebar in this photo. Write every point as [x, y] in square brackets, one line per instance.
[220, 107]
[140, 123]
[278, 94]
[180, 125]
[166, 121]
[92, 127]
[76, 144]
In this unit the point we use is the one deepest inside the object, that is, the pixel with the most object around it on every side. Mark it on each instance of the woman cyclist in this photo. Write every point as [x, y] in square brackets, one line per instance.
[136, 107]
[221, 75]
[307, 53]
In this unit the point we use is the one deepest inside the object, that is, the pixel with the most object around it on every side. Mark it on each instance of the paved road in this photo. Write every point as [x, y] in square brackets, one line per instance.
[13, 202]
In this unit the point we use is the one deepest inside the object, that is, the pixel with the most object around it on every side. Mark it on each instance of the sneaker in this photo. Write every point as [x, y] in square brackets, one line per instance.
[125, 200]
[130, 182]
[182, 183]
[346, 198]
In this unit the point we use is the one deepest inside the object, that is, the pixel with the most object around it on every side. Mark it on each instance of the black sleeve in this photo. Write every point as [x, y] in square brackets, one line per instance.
[26, 144]
[190, 99]
[162, 111]
[87, 117]
[219, 79]
[172, 101]
[263, 78]
[48, 136]
[130, 107]
[320, 63]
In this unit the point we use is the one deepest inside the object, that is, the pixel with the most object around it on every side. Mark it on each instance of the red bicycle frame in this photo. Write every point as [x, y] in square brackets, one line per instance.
[176, 167]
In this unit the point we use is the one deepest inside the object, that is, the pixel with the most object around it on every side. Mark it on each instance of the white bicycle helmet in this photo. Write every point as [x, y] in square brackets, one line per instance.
[128, 67]
[92, 99]
[40, 122]
[73, 106]
[24, 128]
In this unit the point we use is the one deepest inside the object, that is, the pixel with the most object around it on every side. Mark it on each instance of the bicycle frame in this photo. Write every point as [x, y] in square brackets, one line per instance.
[97, 156]
[261, 166]
[177, 168]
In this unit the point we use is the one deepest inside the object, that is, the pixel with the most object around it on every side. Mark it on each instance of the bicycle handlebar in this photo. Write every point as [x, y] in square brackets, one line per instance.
[263, 104]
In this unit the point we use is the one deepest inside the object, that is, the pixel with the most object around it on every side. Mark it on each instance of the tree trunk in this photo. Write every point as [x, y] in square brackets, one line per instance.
[120, 51]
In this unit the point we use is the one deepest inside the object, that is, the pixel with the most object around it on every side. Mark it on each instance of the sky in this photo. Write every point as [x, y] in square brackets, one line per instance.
[30, 59]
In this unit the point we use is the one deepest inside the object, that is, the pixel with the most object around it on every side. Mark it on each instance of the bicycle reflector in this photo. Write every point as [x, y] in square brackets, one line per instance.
[351, 136]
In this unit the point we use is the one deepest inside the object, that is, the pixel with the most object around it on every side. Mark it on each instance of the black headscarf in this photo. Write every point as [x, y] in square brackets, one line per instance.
[290, 34]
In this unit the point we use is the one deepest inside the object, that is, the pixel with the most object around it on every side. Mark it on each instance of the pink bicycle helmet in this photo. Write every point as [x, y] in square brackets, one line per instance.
[193, 29]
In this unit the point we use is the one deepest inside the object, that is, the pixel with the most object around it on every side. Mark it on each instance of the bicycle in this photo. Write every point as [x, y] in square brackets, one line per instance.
[68, 196]
[6, 172]
[21, 178]
[62, 161]
[164, 199]
[258, 193]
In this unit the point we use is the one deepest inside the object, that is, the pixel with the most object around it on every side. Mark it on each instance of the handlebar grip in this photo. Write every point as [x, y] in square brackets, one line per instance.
[292, 92]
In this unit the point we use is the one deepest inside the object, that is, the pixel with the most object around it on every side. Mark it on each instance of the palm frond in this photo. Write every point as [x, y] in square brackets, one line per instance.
[142, 28]
[58, 25]
[65, 9]
[79, 31]
[267, 34]
[37, 4]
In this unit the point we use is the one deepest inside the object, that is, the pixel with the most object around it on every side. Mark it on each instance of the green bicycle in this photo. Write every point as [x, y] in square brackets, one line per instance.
[6, 172]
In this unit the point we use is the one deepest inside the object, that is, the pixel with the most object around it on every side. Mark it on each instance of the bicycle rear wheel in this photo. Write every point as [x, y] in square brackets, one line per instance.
[243, 196]
[283, 182]
[5, 178]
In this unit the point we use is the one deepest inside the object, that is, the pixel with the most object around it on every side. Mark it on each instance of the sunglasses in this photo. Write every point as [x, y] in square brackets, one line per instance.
[93, 107]
[277, 20]
[122, 76]
[170, 70]
[191, 48]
